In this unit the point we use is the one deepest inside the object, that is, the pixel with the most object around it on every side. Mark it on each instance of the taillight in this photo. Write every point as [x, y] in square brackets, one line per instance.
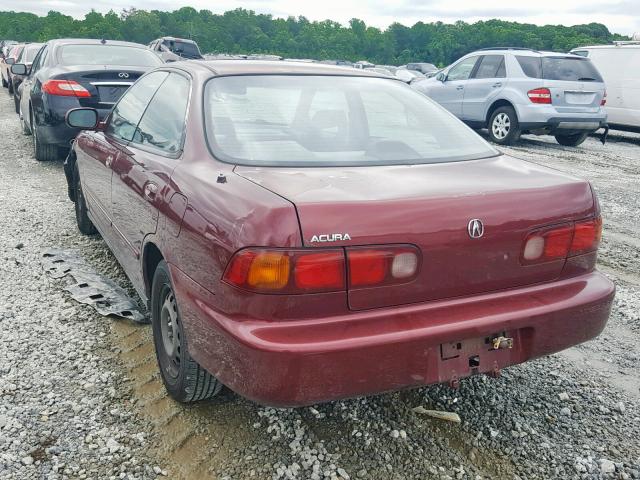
[299, 271]
[586, 236]
[562, 241]
[604, 99]
[384, 265]
[65, 88]
[287, 271]
[539, 95]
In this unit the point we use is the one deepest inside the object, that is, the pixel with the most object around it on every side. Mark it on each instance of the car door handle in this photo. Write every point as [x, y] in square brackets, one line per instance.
[109, 161]
[150, 190]
[460, 87]
[497, 84]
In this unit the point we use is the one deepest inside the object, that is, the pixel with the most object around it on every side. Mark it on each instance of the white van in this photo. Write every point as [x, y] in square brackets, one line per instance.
[619, 65]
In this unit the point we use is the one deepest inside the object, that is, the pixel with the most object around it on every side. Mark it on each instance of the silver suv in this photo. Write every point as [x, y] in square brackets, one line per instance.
[511, 91]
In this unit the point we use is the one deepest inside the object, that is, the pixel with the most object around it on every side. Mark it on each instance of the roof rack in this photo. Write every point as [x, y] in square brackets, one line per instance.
[506, 48]
[626, 42]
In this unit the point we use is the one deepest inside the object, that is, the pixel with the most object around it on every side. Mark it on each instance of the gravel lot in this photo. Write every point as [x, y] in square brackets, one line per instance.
[80, 397]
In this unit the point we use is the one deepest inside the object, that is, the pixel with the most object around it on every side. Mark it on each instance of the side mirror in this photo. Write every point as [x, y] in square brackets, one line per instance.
[441, 77]
[84, 118]
[18, 68]
[10, 61]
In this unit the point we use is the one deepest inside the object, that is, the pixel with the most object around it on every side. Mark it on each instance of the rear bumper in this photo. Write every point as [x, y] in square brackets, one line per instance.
[52, 128]
[547, 119]
[296, 363]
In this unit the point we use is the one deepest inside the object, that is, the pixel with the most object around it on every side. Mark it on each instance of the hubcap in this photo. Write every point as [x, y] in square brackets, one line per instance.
[170, 330]
[501, 125]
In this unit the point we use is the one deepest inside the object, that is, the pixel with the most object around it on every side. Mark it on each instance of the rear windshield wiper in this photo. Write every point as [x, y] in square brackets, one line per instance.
[586, 79]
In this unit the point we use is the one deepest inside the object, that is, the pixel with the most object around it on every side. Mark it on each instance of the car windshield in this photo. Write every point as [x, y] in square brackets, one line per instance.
[29, 53]
[303, 120]
[184, 49]
[573, 69]
[108, 55]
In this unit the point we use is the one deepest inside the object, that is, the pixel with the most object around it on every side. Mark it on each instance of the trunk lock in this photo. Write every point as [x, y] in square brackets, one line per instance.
[500, 343]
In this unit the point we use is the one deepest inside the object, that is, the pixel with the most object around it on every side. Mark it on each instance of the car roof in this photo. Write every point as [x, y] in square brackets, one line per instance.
[273, 67]
[185, 40]
[93, 41]
[526, 52]
[613, 46]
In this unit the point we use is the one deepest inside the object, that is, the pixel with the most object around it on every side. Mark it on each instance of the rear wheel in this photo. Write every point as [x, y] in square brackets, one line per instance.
[571, 140]
[4, 82]
[184, 379]
[44, 152]
[16, 102]
[504, 128]
[10, 86]
[85, 225]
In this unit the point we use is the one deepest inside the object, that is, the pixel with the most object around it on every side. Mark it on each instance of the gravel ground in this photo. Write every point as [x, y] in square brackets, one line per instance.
[80, 395]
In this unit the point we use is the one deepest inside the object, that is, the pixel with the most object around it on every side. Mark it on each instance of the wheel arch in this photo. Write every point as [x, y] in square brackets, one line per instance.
[502, 102]
[151, 257]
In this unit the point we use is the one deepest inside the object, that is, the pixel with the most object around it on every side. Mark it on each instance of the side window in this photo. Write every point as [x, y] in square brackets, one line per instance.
[381, 120]
[462, 70]
[162, 125]
[127, 113]
[582, 53]
[531, 66]
[490, 66]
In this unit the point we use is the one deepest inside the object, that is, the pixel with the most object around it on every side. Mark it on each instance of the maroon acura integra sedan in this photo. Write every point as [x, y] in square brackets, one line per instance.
[304, 233]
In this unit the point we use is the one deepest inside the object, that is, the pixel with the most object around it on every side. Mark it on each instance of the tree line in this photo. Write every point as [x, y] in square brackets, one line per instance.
[244, 31]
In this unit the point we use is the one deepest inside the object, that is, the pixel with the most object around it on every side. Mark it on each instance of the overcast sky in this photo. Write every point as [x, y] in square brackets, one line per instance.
[621, 16]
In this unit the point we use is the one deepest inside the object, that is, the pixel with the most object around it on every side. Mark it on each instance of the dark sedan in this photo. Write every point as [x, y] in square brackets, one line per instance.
[304, 233]
[75, 73]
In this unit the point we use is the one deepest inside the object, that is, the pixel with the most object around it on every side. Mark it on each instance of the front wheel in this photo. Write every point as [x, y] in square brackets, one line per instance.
[571, 140]
[16, 102]
[184, 379]
[504, 128]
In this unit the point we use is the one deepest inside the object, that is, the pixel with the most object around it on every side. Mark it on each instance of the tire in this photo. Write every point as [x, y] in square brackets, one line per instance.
[571, 140]
[184, 379]
[4, 82]
[10, 87]
[85, 225]
[16, 102]
[44, 152]
[504, 128]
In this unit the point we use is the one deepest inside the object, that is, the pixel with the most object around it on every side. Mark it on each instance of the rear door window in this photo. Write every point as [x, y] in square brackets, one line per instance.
[573, 69]
[128, 111]
[162, 125]
[490, 66]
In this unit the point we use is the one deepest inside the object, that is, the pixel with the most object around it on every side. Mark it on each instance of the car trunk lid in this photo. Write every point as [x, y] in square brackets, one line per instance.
[430, 206]
[105, 83]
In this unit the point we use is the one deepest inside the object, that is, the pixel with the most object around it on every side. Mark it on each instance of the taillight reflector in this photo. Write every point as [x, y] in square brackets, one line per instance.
[65, 88]
[539, 95]
[604, 99]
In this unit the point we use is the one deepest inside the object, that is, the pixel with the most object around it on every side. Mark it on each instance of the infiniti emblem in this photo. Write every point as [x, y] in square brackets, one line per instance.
[123, 75]
[475, 228]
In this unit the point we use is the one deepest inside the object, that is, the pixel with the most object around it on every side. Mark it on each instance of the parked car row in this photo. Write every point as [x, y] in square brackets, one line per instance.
[285, 224]
[64, 74]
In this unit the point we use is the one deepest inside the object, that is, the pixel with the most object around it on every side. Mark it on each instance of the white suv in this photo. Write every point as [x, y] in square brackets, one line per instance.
[511, 91]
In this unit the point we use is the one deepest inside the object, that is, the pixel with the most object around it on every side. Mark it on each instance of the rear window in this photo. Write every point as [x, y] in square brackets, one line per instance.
[184, 49]
[573, 69]
[303, 120]
[108, 55]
